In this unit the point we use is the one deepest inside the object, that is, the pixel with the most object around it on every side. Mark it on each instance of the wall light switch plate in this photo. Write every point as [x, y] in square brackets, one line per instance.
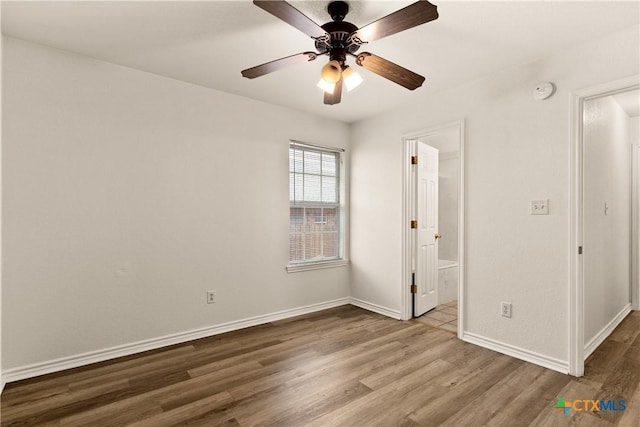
[505, 309]
[540, 207]
[211, 297]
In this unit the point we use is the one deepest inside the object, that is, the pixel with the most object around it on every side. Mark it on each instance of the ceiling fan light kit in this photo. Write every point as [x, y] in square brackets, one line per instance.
[331, 72]
[326, 86]
[339, 39]
[351, 78]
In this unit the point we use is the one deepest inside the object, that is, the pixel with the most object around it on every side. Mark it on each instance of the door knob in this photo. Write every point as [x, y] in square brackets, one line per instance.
[438, 236]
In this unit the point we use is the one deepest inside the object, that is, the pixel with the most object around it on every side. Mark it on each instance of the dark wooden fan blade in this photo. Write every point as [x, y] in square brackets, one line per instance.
[336, 96]
[411, 16]
[389, 70]
[278, 64]
[292, 16]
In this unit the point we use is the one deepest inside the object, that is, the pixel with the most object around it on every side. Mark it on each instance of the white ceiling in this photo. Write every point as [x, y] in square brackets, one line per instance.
[209, 42]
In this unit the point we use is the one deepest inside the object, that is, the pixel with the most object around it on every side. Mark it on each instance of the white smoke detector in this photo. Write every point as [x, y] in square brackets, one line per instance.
[543, 90]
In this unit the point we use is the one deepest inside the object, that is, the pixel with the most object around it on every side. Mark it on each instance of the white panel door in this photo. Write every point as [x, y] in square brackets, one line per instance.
[426, 251]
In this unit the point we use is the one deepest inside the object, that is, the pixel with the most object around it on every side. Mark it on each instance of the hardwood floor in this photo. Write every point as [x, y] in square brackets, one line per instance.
[339, 367]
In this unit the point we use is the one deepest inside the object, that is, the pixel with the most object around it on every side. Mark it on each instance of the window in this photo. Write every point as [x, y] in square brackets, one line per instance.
[315, 212]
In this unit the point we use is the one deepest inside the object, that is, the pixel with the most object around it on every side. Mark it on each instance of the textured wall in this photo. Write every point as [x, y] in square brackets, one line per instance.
[517, 150]
[607, 207]
[128, 195]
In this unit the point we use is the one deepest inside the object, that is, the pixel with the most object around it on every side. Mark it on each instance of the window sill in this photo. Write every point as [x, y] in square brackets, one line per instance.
[294, 268]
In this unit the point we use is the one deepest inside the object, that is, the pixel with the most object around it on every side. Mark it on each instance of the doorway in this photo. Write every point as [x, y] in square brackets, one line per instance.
[604, 213]
[433, 251]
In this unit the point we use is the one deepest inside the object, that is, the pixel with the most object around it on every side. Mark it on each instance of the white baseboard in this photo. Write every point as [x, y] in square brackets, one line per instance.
[517, 352]
[42, 368]
[594, 342]
[395, 314]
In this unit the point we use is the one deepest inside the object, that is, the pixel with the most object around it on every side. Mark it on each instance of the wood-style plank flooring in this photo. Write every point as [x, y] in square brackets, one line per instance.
[339, 367]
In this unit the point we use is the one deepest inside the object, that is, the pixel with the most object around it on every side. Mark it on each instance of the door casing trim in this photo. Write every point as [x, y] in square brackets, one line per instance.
[408, 206]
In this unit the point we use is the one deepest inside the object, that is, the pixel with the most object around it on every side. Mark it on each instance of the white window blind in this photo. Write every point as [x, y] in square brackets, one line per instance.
[314, 198]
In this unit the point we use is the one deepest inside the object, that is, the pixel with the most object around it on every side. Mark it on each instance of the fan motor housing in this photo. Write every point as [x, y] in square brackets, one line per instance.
[339, 32]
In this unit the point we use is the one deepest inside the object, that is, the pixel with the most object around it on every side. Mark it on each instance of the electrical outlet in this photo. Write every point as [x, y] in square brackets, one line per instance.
[505, 309]
[540, 207]
[211, 297]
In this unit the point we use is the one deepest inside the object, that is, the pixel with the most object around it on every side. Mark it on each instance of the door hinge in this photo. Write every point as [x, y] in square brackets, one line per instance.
[414, 160]
[414, 288]
[414, 224]
[579, 250]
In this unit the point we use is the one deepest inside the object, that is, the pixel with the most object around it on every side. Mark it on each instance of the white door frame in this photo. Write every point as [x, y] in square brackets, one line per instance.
[576, 278]
[408, 197]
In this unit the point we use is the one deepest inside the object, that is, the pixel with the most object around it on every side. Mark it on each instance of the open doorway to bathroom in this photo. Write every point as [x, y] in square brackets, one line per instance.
[433, 291]
[445, 314]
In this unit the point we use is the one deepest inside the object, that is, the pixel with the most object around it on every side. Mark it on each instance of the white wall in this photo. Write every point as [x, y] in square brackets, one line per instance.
[448, 206]
[517, 150]
[607, 180]
[128, 195]
[634, 139]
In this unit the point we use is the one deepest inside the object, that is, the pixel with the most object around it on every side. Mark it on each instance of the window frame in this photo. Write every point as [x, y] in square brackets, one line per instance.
[341, 259]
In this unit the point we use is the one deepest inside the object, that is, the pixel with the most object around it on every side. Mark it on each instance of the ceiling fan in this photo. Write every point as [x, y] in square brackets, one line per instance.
[339, 39]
